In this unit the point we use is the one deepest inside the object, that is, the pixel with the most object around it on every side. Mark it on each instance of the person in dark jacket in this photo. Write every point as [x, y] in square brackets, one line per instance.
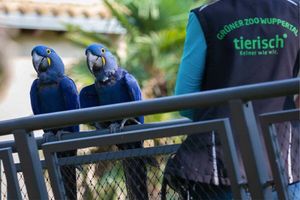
[231, 43]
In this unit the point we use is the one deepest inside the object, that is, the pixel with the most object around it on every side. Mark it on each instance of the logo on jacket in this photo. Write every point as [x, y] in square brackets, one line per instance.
[259, 45]
[257, 21]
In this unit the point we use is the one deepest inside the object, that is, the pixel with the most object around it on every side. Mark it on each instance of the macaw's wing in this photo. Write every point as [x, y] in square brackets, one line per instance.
[134, 91]
[34, 98]
[88, 97]
[70, 94]
[70, 98]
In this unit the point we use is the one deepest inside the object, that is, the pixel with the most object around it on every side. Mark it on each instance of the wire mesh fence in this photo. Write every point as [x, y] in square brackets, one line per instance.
[22, 186]
[108, 178]
[4, 190]
[288, 137]
[122, 174]
[167, 168]
[3, 186]
[48, 185]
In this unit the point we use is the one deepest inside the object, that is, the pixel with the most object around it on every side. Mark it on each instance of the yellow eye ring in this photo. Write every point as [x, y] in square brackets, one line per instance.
[48, 51]
[102, 50]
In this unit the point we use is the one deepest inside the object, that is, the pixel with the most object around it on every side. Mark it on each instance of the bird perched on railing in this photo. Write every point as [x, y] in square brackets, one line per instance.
[114, 84]
[52, 91]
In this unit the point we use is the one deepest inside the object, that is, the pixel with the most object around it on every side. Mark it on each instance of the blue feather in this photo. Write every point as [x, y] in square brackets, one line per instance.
[70, 94]
[112, 85]
[52, 91]
[34, 98]
[88, 97]
[115, 85]
[134, 91]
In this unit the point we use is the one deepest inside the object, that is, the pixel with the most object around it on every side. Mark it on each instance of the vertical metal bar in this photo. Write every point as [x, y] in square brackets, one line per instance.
[231, 161]
[251, 149]
[277, 166]
[13, 188]
[30, 164]
[54, 175]
[0, 181]
[273, 148]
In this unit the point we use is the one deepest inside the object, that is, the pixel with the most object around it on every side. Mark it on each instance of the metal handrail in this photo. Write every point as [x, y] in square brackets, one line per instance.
[146, 107]
[83, 134]
[243, 121]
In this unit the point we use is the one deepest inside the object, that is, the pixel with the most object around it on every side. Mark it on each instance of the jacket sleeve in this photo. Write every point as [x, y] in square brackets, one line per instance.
[191, 69]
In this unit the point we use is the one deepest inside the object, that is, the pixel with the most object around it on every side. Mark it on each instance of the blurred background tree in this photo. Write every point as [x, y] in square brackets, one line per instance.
[151, 48]
[153, 42]
[4, 64]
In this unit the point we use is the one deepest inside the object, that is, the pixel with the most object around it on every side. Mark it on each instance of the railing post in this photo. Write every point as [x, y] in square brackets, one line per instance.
[251, 149]
[55, 176]
[231, 161]
[0, 181]
[273, 148]
[13, 188]
[277, 165]
[30, 164]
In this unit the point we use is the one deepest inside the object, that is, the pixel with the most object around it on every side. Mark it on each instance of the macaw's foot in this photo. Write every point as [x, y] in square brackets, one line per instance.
[48, 136]
[114, 127]
[59, 134]
[119, 126]
[127, 121]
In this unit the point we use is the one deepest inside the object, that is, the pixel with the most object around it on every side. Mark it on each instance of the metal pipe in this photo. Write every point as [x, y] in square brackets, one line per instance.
[146, 107]
[13, 188]
[118, 155]
[133, 136]
[84, 134]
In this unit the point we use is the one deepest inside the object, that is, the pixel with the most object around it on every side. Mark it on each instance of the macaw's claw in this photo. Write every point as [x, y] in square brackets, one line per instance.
[48, 136]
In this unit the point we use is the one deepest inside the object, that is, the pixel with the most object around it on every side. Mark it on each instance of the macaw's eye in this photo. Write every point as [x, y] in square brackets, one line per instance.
[48, 51]
[102, 50]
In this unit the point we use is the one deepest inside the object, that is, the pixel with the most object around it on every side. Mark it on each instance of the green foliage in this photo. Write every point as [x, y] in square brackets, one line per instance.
[81, 74]
[154, 39]
[156, 32]
[154, 43]
[161, 117]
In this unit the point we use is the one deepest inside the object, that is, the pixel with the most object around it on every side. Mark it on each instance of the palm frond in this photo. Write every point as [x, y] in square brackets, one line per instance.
[121, 16]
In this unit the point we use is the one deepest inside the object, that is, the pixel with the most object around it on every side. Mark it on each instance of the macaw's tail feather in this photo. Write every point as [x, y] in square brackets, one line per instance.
[174, 182]
[135, 169]
[136, 178]
[151, 161]
[163, 192]
[68, 173]
[135, 172]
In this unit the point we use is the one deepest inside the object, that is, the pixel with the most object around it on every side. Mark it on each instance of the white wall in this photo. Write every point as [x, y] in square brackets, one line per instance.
[15, 102]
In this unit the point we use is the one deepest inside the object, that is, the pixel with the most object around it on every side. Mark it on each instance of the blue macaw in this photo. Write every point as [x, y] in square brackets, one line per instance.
[52, 91]
[114, 84]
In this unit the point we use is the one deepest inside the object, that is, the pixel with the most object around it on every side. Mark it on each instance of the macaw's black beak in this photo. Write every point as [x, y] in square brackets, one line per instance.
[40, 63]
[102, 78]
[95, 63]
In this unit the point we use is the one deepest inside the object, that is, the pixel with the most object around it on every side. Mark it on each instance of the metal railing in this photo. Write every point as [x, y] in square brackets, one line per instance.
[258, 183]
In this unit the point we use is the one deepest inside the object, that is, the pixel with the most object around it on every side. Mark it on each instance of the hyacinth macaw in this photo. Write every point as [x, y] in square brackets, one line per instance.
[52, 91]
[113, 85]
